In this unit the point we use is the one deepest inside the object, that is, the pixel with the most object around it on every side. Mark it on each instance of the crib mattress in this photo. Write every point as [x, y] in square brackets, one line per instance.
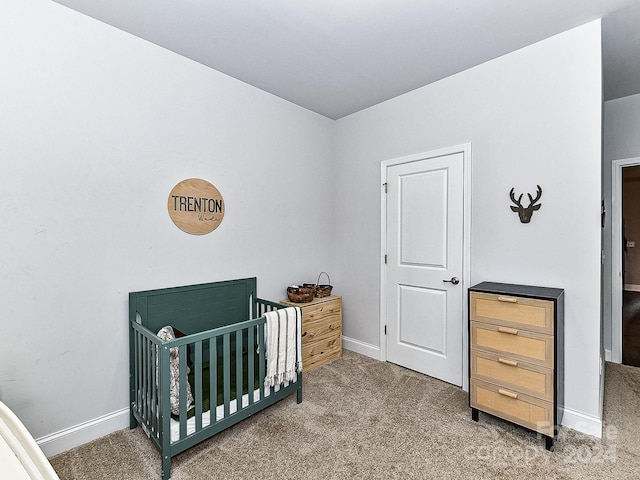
[206, 416]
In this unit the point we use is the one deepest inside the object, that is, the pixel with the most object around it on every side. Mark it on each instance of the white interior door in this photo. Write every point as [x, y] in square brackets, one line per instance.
[424, 269]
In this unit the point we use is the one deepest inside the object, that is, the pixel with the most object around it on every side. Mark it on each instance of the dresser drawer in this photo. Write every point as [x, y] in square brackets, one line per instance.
[518, 312]
[513, 374]
[322, 311]
[325, 326]
[320, 351]
[520, 344]
[516, 407]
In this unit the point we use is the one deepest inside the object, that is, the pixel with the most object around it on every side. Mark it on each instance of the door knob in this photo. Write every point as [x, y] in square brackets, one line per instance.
[454, 280]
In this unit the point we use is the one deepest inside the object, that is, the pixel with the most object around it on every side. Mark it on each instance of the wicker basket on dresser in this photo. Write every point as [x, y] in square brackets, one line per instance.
[321, 330]
[517, 355]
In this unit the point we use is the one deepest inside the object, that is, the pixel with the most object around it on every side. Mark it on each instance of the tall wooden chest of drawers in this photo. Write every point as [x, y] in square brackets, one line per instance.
[321, 330]
[516, 355]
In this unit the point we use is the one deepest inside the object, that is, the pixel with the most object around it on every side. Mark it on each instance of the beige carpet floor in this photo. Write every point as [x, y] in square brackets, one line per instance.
[364, 419]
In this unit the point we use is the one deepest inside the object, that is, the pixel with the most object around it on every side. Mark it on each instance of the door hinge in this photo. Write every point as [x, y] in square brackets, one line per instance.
[385, 187]
[385, 259]
[385, 329]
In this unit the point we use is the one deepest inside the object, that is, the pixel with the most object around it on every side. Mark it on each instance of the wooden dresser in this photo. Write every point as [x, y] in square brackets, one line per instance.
[321, 330]
[516, 357]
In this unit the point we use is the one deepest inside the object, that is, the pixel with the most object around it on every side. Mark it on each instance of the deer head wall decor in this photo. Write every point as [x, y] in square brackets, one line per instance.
[525, 212]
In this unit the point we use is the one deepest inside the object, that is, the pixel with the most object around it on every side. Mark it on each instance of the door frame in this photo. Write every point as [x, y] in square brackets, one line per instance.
[616, 254]
[465, 149]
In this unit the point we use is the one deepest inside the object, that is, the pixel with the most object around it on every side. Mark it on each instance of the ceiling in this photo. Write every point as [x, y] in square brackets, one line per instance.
[336, 57]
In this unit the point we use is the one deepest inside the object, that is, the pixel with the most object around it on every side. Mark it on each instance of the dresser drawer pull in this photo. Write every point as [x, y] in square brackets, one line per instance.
[507, 299]
[513, 363]
[507, 393]
[510, 331]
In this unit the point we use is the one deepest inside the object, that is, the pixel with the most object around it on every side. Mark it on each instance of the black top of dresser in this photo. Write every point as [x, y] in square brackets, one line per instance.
[530, 291]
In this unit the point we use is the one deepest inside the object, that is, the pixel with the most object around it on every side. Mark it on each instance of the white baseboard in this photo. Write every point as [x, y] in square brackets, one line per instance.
[632, 288]
[607, 354]
[357, 346]
[80, 434]
[582, 423]
[77, 435]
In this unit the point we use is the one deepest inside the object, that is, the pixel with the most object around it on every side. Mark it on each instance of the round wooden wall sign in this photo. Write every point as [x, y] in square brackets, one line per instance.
[196, 206]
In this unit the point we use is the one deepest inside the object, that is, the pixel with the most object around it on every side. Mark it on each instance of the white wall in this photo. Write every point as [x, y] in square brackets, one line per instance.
[621, 123]
[532, 117]
[97, 126]
[621, 141]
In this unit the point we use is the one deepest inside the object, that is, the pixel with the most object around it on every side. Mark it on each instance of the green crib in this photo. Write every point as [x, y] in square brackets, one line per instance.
[220, 330]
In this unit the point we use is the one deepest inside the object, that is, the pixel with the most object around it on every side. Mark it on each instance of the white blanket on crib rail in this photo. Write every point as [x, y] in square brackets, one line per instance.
[283, 347]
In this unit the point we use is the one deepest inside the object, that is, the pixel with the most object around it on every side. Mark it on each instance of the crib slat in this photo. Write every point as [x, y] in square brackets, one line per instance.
[198, 384]
[164, 430]
[141, 354]
[154, 389]
[226, 373]
[143, 377]
[143, 400]
[182, 376]
[213, 378]
[251, 345]
[261, 361]
[149, 367]
[146, 350]
[239, 382]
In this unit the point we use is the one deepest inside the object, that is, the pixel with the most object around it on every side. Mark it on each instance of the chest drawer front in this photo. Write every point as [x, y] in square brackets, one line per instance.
[519, 312]
[326, 327]
[523, 345]
[318, 352]
[322, 311]
[516, 375]
[522, 409]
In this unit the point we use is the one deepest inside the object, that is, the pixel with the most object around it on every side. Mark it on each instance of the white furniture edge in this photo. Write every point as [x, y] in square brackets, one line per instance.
[20, 455]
